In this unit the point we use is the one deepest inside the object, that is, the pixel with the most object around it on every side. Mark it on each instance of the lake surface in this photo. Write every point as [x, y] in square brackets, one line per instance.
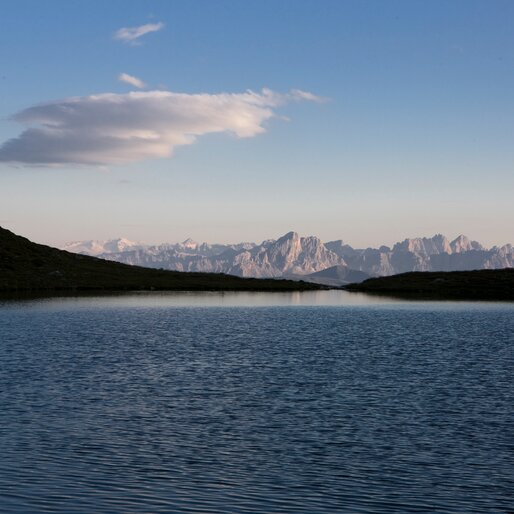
[314, 402]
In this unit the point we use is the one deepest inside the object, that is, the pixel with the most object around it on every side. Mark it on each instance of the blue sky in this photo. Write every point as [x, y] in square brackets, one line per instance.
[415, 139]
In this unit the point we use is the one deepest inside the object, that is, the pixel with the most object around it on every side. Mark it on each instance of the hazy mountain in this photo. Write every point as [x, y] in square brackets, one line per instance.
[295, 256]
[95, 248]
[424, 254]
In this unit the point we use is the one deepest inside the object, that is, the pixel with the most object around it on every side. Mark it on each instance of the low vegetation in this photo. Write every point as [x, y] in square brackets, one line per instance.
[459, 285]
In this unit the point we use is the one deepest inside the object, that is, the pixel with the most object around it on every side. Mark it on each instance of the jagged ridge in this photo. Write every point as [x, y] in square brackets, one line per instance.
[294, 256]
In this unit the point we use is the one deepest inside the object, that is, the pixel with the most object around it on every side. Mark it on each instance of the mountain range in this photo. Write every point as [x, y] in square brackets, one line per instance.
[309, 258]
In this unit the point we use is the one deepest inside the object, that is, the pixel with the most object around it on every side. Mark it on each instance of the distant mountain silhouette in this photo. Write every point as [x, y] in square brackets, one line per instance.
[292, 256]
[336, 276]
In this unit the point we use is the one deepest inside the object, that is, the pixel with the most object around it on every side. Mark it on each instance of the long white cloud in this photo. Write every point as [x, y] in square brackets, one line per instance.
[130, 79]
[131, 34]
[110, 128]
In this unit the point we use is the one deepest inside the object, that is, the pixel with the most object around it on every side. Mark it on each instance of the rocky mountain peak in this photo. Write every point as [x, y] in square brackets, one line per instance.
[190, 244]
[424, 245]
[463, 244]
[290, 236]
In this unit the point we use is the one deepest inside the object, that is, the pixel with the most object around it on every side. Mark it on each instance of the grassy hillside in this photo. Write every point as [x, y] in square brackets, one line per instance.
[27, 266]
[465, 285]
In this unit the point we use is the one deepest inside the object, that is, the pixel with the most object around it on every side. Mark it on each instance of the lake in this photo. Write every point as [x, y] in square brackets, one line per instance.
[313, 402]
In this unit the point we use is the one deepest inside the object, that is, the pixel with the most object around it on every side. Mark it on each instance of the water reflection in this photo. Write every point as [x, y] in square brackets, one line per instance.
[230, 299]
[164, 299]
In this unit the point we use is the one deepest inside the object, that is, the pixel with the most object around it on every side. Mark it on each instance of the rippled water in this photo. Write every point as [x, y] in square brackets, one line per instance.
[256, 404]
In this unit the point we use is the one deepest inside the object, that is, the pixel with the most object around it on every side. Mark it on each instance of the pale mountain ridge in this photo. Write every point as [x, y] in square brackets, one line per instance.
[294, 256]
[425, 254]
[288, 255]
[96, 248]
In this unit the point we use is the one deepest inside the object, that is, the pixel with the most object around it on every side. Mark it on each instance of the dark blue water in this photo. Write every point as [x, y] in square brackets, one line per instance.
[150, 405]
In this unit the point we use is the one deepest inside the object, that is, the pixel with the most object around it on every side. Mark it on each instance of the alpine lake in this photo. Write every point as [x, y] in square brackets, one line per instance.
[307, 402]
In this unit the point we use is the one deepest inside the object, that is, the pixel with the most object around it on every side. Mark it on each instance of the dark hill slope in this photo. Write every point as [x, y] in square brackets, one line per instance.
[337, 276]
[462, 285]
[27, 266]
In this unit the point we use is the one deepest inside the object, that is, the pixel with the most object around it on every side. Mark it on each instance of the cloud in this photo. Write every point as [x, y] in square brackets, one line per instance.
[298, 94]
[131, 34]
[110, 128]
[130, 79]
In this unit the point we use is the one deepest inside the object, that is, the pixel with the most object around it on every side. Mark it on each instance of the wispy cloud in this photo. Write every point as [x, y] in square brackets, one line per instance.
[110, 128]
[130, 79]
[132, 34]
[298, 94]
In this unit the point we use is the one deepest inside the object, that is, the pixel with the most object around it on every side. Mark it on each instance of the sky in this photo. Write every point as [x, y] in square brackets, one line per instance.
[228, 121]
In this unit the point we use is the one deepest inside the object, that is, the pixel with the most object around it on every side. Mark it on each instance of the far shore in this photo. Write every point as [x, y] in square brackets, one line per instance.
[489, 285]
